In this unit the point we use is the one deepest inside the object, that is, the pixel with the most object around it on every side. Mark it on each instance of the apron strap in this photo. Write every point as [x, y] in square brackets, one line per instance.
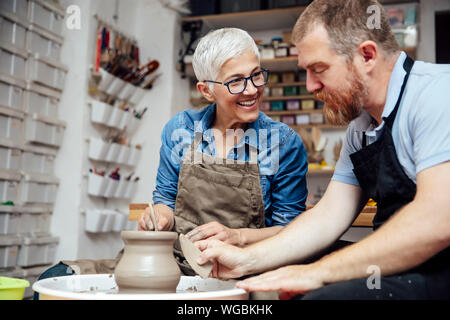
[407, 66]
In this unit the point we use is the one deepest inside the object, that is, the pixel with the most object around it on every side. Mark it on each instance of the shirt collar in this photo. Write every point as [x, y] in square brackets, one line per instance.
[364, 121]
[207, 121]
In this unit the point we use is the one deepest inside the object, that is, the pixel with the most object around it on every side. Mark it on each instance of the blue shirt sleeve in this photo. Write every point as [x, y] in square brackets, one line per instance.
[171, 152]
[289, 190]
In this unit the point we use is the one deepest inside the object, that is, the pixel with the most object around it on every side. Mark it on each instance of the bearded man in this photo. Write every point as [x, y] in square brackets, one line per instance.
[396, 151]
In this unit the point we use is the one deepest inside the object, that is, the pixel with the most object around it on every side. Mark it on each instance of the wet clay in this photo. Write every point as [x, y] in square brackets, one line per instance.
[148, 264]
[191, 253]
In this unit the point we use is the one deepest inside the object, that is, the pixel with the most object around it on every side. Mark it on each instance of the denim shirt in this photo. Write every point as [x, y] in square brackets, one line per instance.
[281, 158]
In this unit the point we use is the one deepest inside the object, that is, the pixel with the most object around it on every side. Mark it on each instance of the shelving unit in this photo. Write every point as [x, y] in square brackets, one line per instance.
[31, 80]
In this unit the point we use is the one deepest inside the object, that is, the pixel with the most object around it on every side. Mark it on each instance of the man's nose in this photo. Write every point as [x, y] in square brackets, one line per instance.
[312, 83]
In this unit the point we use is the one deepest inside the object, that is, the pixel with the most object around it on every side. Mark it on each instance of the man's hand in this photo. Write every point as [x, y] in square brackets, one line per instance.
[215, 230]
[164, 219]
[290, 280]
[229, 261]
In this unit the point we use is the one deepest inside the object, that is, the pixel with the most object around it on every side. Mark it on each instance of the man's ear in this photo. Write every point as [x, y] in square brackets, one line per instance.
[203, 88]
[369, 54]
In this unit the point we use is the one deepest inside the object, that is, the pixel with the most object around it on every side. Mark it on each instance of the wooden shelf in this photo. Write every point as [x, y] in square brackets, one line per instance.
[319, 172]
[291, 112]
[282, 18]
[318, 125]
[284, 98]
[273, 65]
[286, 84]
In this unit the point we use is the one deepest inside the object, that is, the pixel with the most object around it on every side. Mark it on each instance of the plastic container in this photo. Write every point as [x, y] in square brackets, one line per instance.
[135, 154]
[9, 186]
[37, 251]
[12, 288]
[34, 221]
[46, 72]
[11, 125]
[96, 185]
[41, 100]
[9, 247]
[38, 189]
[293, 105]
[44, 130]
[131, 190]
[44, 43]
[9, 220]
[113, 153]
[111, 187]
[11, 92]
[10, 156]
[95, 219]
[109, 220]
[308, 104]
[46, 15]
[124, 154]
[98, 149]
[127, 91]
[122, 189]
[12, 29]
[12, 61]
[37, 160]
[115, 87]
[100, 112]
[116, 117]
[105, 81]
[302, 119]
[17, 7]
[120, 222]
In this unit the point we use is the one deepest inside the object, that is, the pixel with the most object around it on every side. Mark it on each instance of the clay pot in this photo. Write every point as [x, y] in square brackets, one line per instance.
[148, 264]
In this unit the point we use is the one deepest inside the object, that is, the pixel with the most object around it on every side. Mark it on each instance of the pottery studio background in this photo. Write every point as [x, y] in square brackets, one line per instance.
[62, 116]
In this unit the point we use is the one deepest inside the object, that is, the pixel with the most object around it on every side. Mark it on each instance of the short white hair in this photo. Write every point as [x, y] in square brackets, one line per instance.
[217, 47]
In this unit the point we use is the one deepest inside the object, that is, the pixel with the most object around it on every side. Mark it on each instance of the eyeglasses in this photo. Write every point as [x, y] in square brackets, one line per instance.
[237, 86]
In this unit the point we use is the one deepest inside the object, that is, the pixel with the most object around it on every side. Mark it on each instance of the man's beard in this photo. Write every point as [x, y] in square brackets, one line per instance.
[342, 106]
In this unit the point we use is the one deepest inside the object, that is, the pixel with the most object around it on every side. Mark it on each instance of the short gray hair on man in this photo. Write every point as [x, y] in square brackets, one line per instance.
[217, 47]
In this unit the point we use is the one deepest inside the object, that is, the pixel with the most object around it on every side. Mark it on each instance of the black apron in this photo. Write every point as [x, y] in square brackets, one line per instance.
[383, 179]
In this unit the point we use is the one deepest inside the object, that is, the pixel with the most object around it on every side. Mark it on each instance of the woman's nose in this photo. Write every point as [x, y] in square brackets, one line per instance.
[250, 89]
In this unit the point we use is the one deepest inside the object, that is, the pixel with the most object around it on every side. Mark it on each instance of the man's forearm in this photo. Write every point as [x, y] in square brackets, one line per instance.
[250, 235]
[305, 236]
[408, 239]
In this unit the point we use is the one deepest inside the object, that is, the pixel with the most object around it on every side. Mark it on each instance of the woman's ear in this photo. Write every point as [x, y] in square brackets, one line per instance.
[203, 88]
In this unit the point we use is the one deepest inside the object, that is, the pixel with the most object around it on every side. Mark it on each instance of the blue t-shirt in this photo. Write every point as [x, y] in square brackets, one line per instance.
[421, 130]
[282, 160]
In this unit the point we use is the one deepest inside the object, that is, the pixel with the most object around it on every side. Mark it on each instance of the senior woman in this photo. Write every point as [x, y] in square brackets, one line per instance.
[228, 171]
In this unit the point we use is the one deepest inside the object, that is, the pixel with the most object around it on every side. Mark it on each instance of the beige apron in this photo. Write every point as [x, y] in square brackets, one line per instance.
[216, 189]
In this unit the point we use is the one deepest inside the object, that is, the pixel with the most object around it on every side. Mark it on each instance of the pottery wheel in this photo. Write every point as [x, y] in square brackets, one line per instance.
[191, 253]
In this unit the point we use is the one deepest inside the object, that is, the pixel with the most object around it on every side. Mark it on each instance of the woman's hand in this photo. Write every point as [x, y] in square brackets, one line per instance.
[215, 230]
[164, 218]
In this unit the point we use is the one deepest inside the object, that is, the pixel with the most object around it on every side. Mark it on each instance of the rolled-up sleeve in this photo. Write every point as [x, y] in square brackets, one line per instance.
[169, 167]
[289, 190]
